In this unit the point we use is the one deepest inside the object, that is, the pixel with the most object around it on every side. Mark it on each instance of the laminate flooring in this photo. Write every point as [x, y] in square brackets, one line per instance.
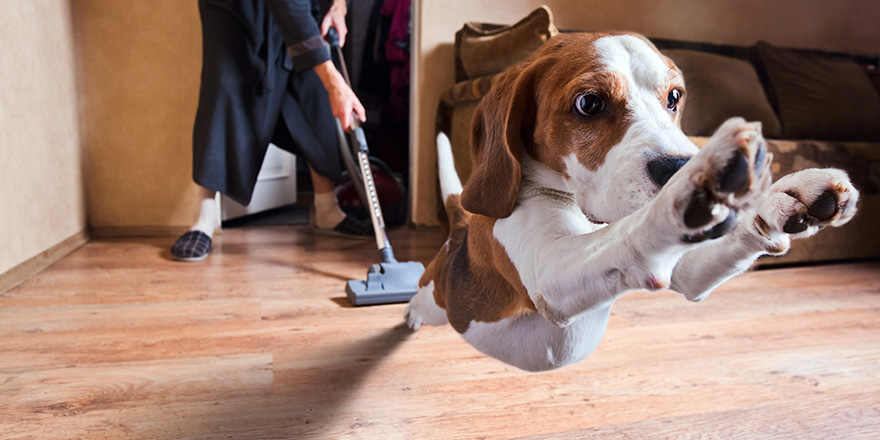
[258, 342]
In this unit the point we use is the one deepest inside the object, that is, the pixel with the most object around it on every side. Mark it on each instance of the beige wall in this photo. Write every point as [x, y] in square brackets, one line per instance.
[41, 191]
[842, 25]
[139, 67]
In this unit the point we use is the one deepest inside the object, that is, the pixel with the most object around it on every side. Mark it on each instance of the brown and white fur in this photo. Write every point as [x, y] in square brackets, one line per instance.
[566, 211]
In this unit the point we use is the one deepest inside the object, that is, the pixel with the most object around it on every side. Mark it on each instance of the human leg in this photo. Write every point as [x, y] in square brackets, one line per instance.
[329, 218]
[327, 212]
[196, 244]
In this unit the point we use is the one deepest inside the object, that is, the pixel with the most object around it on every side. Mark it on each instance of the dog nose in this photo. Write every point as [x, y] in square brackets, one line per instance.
[661, 169]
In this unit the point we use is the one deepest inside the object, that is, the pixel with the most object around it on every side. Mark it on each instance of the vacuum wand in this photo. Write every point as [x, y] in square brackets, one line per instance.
[359, 140]
[374, 207]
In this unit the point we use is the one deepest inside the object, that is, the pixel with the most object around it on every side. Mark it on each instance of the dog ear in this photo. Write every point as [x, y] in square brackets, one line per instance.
[497, 132]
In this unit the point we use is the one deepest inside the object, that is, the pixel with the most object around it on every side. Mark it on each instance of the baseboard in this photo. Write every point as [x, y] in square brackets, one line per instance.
[137, 231]
[24, 271]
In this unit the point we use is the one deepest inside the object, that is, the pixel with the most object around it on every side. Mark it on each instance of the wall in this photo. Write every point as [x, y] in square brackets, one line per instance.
[42, 199]
[841, 25]
[139, 65]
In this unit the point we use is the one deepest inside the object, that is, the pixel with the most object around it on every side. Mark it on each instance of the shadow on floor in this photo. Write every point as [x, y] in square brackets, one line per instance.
[314, 390]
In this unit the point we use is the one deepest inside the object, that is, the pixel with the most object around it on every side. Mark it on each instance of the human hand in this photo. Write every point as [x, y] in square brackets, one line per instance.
[343, 101]
[335, 18]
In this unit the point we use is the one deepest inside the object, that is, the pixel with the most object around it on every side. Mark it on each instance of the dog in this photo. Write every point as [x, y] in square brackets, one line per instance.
[584, 188]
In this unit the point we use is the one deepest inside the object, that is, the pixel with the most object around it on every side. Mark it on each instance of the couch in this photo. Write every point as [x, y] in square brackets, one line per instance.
[817, 109]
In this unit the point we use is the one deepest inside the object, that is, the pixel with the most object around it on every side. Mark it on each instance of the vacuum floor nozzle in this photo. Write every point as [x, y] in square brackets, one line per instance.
[386, 283]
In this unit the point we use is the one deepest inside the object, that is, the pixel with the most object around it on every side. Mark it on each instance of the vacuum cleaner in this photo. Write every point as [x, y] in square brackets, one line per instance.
[390, 281]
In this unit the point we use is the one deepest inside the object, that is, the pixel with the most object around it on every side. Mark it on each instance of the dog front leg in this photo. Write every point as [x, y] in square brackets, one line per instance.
[700, 202]
[798, 206]
[588, 272]
[705, 268]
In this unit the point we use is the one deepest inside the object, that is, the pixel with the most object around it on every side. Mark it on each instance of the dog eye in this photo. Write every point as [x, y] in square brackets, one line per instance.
[588, 104]
[672, 100]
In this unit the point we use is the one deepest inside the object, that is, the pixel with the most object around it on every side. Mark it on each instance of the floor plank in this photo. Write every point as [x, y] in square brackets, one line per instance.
[258, 341]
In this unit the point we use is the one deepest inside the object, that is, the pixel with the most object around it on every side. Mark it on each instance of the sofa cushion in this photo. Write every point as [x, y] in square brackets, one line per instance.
[483, 49]
[718, 88]
[819, 96]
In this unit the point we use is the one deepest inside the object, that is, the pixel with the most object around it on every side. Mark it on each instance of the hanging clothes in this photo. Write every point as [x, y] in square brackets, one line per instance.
[397, 52]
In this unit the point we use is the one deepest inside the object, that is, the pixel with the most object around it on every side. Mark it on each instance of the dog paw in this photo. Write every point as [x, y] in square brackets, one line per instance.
[414, 318]
[729, 175]
[801, 204]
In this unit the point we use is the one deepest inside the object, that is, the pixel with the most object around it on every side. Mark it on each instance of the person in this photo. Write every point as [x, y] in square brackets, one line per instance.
[267, 77]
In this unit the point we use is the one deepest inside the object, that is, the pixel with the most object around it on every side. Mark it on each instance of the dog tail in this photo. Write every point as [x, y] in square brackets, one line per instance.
[450, 184]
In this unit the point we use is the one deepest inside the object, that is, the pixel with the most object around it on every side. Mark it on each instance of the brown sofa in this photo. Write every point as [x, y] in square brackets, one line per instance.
[817, 109]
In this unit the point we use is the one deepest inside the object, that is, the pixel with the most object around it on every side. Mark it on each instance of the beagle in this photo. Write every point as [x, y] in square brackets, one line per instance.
[584, 188]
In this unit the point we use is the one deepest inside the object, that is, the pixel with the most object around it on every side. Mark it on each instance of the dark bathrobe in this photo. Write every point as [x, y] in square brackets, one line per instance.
[257, 87]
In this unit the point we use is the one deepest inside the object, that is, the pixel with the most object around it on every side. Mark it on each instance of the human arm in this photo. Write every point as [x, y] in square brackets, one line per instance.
[343, 101]
[305, 46]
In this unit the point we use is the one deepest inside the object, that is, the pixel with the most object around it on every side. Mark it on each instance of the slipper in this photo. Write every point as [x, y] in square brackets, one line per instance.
[349, 227]
[191, 246]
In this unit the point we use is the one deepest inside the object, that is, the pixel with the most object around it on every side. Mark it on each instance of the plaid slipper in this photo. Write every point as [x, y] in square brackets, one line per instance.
[191, 246]
[349, 227]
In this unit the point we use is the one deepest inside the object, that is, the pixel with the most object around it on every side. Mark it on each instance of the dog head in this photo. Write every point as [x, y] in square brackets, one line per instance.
[600, 111]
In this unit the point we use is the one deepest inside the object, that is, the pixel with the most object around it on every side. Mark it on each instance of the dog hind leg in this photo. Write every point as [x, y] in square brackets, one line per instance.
[422, 309]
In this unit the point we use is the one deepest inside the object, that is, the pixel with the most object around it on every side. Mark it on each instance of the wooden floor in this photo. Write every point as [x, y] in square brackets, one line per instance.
[258, 342]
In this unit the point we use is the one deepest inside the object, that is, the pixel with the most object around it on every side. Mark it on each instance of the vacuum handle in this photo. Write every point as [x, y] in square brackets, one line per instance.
[332, 37]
